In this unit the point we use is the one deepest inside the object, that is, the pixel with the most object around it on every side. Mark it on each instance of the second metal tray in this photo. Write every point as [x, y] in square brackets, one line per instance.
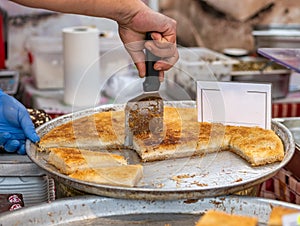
[93, 210]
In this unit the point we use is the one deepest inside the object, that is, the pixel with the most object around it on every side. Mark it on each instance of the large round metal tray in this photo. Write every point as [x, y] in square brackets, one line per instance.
[293, 124]
[95, 210]
[214, 174]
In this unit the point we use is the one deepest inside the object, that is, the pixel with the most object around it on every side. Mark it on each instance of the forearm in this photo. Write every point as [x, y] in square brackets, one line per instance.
[134, 19]
[118, 10]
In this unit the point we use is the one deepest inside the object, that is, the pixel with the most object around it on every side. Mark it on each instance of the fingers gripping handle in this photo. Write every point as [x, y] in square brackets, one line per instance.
[151, 82]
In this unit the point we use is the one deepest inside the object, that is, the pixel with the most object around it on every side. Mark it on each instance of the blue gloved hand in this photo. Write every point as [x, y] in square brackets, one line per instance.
[15, 125]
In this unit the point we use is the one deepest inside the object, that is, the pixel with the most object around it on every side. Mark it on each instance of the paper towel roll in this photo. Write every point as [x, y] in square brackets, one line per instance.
[81, 66]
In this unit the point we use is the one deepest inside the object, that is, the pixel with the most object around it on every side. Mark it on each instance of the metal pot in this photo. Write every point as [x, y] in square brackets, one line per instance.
[258, 70]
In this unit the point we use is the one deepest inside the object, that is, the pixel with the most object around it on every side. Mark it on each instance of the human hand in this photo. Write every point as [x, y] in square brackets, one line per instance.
[135, 19]
[163, 32]
[15, 125]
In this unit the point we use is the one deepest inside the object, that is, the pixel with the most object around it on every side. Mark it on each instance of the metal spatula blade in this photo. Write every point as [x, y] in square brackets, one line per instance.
[144, 113]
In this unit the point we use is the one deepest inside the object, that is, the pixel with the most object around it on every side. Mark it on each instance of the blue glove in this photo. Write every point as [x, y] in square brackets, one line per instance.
[15, 125]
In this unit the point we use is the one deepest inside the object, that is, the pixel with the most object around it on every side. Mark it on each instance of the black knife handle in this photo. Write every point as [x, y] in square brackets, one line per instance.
[151, 82]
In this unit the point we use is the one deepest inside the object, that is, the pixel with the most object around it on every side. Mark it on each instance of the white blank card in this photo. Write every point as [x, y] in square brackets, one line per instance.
[234, 103]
